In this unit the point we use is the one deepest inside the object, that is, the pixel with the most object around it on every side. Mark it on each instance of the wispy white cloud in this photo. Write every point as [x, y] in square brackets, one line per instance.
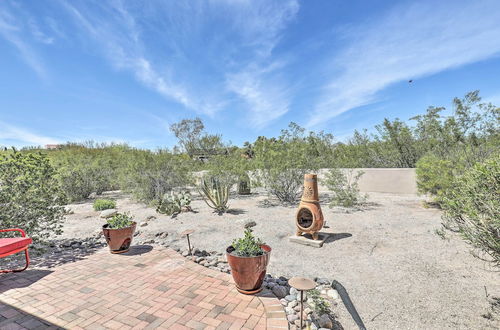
[259, 83]
[410, 42]
[38, 34]
[238, 39]
[267, 98]
[18, 136]
[11, 30]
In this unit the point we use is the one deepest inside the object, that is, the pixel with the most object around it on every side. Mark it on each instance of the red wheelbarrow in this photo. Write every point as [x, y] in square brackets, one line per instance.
[14, 245]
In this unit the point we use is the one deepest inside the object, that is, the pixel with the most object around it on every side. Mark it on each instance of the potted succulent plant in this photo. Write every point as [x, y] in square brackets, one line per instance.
[248, 258]
[119, 232]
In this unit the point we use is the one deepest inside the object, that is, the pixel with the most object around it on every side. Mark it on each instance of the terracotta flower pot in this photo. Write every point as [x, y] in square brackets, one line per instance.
[119, 240]
[249, 272]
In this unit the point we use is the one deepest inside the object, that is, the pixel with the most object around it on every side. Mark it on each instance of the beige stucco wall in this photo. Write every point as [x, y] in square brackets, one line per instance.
[388, 180]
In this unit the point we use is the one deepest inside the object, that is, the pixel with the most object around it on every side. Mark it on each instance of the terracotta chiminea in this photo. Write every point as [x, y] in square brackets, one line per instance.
[309, 218]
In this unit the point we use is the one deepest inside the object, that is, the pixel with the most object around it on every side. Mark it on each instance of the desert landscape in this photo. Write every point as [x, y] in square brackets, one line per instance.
[384, 254]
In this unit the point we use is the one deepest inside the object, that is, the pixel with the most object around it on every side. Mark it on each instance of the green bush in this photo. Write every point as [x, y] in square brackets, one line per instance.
[120, 220]
[150, 175]
[30, 195]
[174, 203]
[345, 188]
[473, 207]
[248, 246]
[281, 163]
[104, 204]
[434, 175]
[81, 181]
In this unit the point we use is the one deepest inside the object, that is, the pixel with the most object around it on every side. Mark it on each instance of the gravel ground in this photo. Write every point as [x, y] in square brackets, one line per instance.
[398, 272]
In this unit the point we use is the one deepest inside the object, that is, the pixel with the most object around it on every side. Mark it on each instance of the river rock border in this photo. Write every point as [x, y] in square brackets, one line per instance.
[289, 297]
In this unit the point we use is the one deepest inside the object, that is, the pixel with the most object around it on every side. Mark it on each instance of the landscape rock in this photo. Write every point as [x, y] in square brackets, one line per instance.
[162, 234]
[250, 224]
[280, 292]
[284, 302]
[108, 213]
[324, 321]
[333, 294]
[292, 317]
[322, 281]
[292, 304]
[289, 310]
[290, 297]
[143, 224]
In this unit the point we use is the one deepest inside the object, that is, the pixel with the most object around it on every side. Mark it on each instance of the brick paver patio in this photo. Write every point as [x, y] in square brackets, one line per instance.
[144, 289]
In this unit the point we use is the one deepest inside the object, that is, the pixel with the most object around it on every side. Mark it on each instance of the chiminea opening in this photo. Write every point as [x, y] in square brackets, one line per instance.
[305, 218]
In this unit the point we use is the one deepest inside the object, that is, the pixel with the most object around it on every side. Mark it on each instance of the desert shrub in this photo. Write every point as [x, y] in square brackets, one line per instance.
[281, 163]
[30, 195]
[434, 175]
[215, 193]
[150, 175]
[88, 167]
[344, 187]
[285, 184]
[119, 220]
[81, 181]
[104, 204]
[174, 203]
[248, 246]
[473, 207]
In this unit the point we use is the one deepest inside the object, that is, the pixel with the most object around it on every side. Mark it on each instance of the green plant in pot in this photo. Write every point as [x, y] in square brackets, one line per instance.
[248, 258]
[119, 232]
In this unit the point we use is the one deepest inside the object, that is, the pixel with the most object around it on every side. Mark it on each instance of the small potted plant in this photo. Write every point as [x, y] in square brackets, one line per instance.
[119, 232]
[248, 258]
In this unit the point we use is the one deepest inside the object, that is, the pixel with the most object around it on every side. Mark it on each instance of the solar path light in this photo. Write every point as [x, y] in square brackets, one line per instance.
[187, 233]
[302, 284]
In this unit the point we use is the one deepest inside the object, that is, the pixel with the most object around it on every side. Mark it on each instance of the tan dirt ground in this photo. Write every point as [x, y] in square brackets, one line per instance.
[398, 272]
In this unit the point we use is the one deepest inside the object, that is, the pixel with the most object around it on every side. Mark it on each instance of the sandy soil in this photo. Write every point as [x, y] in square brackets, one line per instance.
[397, 271]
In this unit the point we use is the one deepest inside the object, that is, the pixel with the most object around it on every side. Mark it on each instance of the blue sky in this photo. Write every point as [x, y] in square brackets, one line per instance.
[124, 71]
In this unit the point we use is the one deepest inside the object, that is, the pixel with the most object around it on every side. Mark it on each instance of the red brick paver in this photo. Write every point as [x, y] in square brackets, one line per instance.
[157, 289]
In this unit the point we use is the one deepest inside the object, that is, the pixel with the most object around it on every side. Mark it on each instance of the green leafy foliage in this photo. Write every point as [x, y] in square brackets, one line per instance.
[472, 207]
[344, 187]
[281, 163]
[30, 195]
[453, 144]
[174, 203]
[120, 220]
[87, 168]
[104, 204]
[434, 175]
[248, 246]
[150, 175]
[319, 304]
[215, 193]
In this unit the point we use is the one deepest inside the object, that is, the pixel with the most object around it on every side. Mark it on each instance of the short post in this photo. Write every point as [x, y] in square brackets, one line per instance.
[302, 284]
[187, 233]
